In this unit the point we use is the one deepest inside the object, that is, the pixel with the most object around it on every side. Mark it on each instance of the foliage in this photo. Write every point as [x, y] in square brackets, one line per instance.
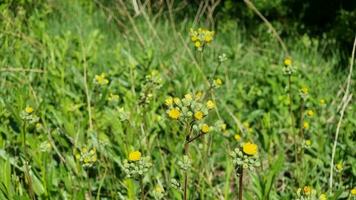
[97, 92]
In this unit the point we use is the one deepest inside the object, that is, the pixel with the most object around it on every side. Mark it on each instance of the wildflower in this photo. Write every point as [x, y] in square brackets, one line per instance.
[308, 142]
[205, 128]
[87, 157]
[29, 115]
[222, 58]
[210, 104]
[176, 100]
[188, 97]
[245, 160]
[136, 166]
[237, 137]
[353, 191]
[306, 125]
[134, 156]
[174, 113]
[250, 148]
[339, 167]
[197, 44]
[218, 82]
[113, 97]
[158, 192]
[199, 115]
[287, 62]
[38, 125]
[323, 197]
[198, 95]
[310, 113]
[201, 37]
[185, 164]
[208, 38]
[322, 102]
[169, 101]
[307, 190]
[304, 90]
[28, 109]
[101, 79]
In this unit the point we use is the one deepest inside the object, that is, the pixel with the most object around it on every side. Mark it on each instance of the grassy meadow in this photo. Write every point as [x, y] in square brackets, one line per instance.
[100, 102]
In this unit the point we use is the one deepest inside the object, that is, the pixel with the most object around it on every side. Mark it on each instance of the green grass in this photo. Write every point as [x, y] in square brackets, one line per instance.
[67, 44]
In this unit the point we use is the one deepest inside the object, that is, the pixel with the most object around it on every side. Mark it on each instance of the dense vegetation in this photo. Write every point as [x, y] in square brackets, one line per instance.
[113, 100]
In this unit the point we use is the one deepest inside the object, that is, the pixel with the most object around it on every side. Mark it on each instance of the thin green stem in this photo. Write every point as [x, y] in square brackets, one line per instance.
[241, 183]
[186, 152]
[142, 190]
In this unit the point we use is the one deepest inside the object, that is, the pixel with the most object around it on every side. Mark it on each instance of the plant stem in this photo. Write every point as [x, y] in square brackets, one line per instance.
[302, 126]
[142, 190]
[186, 149]
[291, 115]
[241, 183]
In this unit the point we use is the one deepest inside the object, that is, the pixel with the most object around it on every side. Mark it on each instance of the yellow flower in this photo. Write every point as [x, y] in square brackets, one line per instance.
[209, 37]
[29, 109]
[169, 101]
[306, 125]
[197, 44]
[339, 166]
[210, 104]
[250, 148]
[287, 62]
[38, 125]
[237, 137]
[176, 100]
[198, 95]
[308, 142]
[218, 82]
[188, 97]
[307, 190]
[113, 97]
[174, 113]
[101, 80]
[194, 38]
[134, 156]
[310, 113]
[223, 126]
[205, 128]
[199, 115]
[304, 90]
[353, 191]
[323, 197]
[322, 102]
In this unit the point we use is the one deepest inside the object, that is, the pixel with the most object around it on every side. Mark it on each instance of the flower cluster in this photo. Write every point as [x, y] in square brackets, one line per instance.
[217, 83]
[306, 144]
[158, 192]
[87, 156]
[306, 193]
[29, 115]
[246, 156]
[304, 92]
[339, 167]
[201, 37]
[191, 109]
[288, 66]
[185, 164]
[175, 184]
[136, 166]
[101, 79]
[152, 82]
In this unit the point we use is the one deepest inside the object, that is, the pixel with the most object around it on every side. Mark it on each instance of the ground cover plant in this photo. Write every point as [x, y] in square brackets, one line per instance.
[125, 100]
